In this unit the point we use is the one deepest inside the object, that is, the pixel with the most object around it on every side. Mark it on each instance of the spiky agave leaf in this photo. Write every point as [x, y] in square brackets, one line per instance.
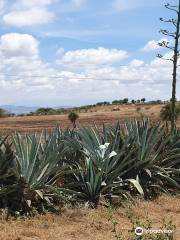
[100, 176]
[36, 165]
[156, 150]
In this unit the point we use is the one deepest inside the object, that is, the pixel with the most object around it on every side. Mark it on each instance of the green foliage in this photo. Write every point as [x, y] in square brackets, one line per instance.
[3, 113]
[6, 169]
[49, 111]
[98, 177]
[103, 103]
[88, 164]
[73, 118]
[143, 100]
[35, 166]
[45, 111]
[166, 112]
[123, 101]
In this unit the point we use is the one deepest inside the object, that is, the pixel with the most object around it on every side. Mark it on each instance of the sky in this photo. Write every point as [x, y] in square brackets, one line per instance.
[77, 52]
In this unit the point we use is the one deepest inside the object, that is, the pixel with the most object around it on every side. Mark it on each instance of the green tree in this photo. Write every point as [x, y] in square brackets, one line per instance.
[175, 34]
[125, 100]
[115, 102]
[143, 100]
[73, 118]
[45, 111]
[3, 113]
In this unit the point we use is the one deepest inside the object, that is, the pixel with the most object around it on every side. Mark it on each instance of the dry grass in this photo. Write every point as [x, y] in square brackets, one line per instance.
[84, 224]
[98, 116]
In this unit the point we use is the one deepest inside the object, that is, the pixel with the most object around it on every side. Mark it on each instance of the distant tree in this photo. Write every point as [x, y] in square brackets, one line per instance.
[143, 100]
[3, 113]
[158, 102]
[103, 103]
[174, 47]
[155, 102]
[115, 102]
[133, 101]
[138, 101]
[100, 103]
[73, 118]
[45, 111]
[125, 100]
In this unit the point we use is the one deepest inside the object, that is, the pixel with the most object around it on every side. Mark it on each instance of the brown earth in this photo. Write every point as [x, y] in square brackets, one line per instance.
[86, 224]
[98, 115]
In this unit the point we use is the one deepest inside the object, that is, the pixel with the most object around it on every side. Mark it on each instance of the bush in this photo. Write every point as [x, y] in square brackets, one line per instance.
[45, 111]
[3, 113]
[166, 112]
[103, 103]
[73, 118]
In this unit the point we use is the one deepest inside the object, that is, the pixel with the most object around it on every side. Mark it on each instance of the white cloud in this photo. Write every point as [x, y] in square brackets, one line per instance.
[28, 17]
[123, 5]
[2, 4]
[32, 3]
[19, 60]
[14, 45]
[78, 3]
[26, 77]
[137, 63]
[60, 51]
[153, 45]
[92, 57]
[27, 13]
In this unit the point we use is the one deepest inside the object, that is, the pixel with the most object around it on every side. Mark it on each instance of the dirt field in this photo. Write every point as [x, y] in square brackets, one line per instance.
[108, 114]
[88, 224]
[85, 224]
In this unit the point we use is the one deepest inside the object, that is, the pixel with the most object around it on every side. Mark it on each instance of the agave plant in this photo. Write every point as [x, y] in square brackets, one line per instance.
[100, 176]
[6, 170]
[36, 167]
[154, 149]
[92, 138]
[6, 157]
[136, 157]
[141, 149]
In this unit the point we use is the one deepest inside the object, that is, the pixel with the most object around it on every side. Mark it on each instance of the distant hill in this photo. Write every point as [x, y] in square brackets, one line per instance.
[18, 109]
[23, 109]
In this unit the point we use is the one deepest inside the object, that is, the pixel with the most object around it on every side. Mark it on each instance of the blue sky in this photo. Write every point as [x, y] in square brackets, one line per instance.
[73, 52]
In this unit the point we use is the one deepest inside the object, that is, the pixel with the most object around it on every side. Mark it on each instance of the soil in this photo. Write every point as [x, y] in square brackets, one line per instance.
[98, 115]
[94, 224]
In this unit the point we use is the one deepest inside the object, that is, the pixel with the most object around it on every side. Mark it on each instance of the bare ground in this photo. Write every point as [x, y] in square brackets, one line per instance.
[98, 115]
[86, 224]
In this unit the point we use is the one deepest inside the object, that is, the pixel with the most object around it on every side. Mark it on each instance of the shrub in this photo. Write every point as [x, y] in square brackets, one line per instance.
[45, 111]
[3, 113]
[73, 118]
[166, 112]
[103, 103]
